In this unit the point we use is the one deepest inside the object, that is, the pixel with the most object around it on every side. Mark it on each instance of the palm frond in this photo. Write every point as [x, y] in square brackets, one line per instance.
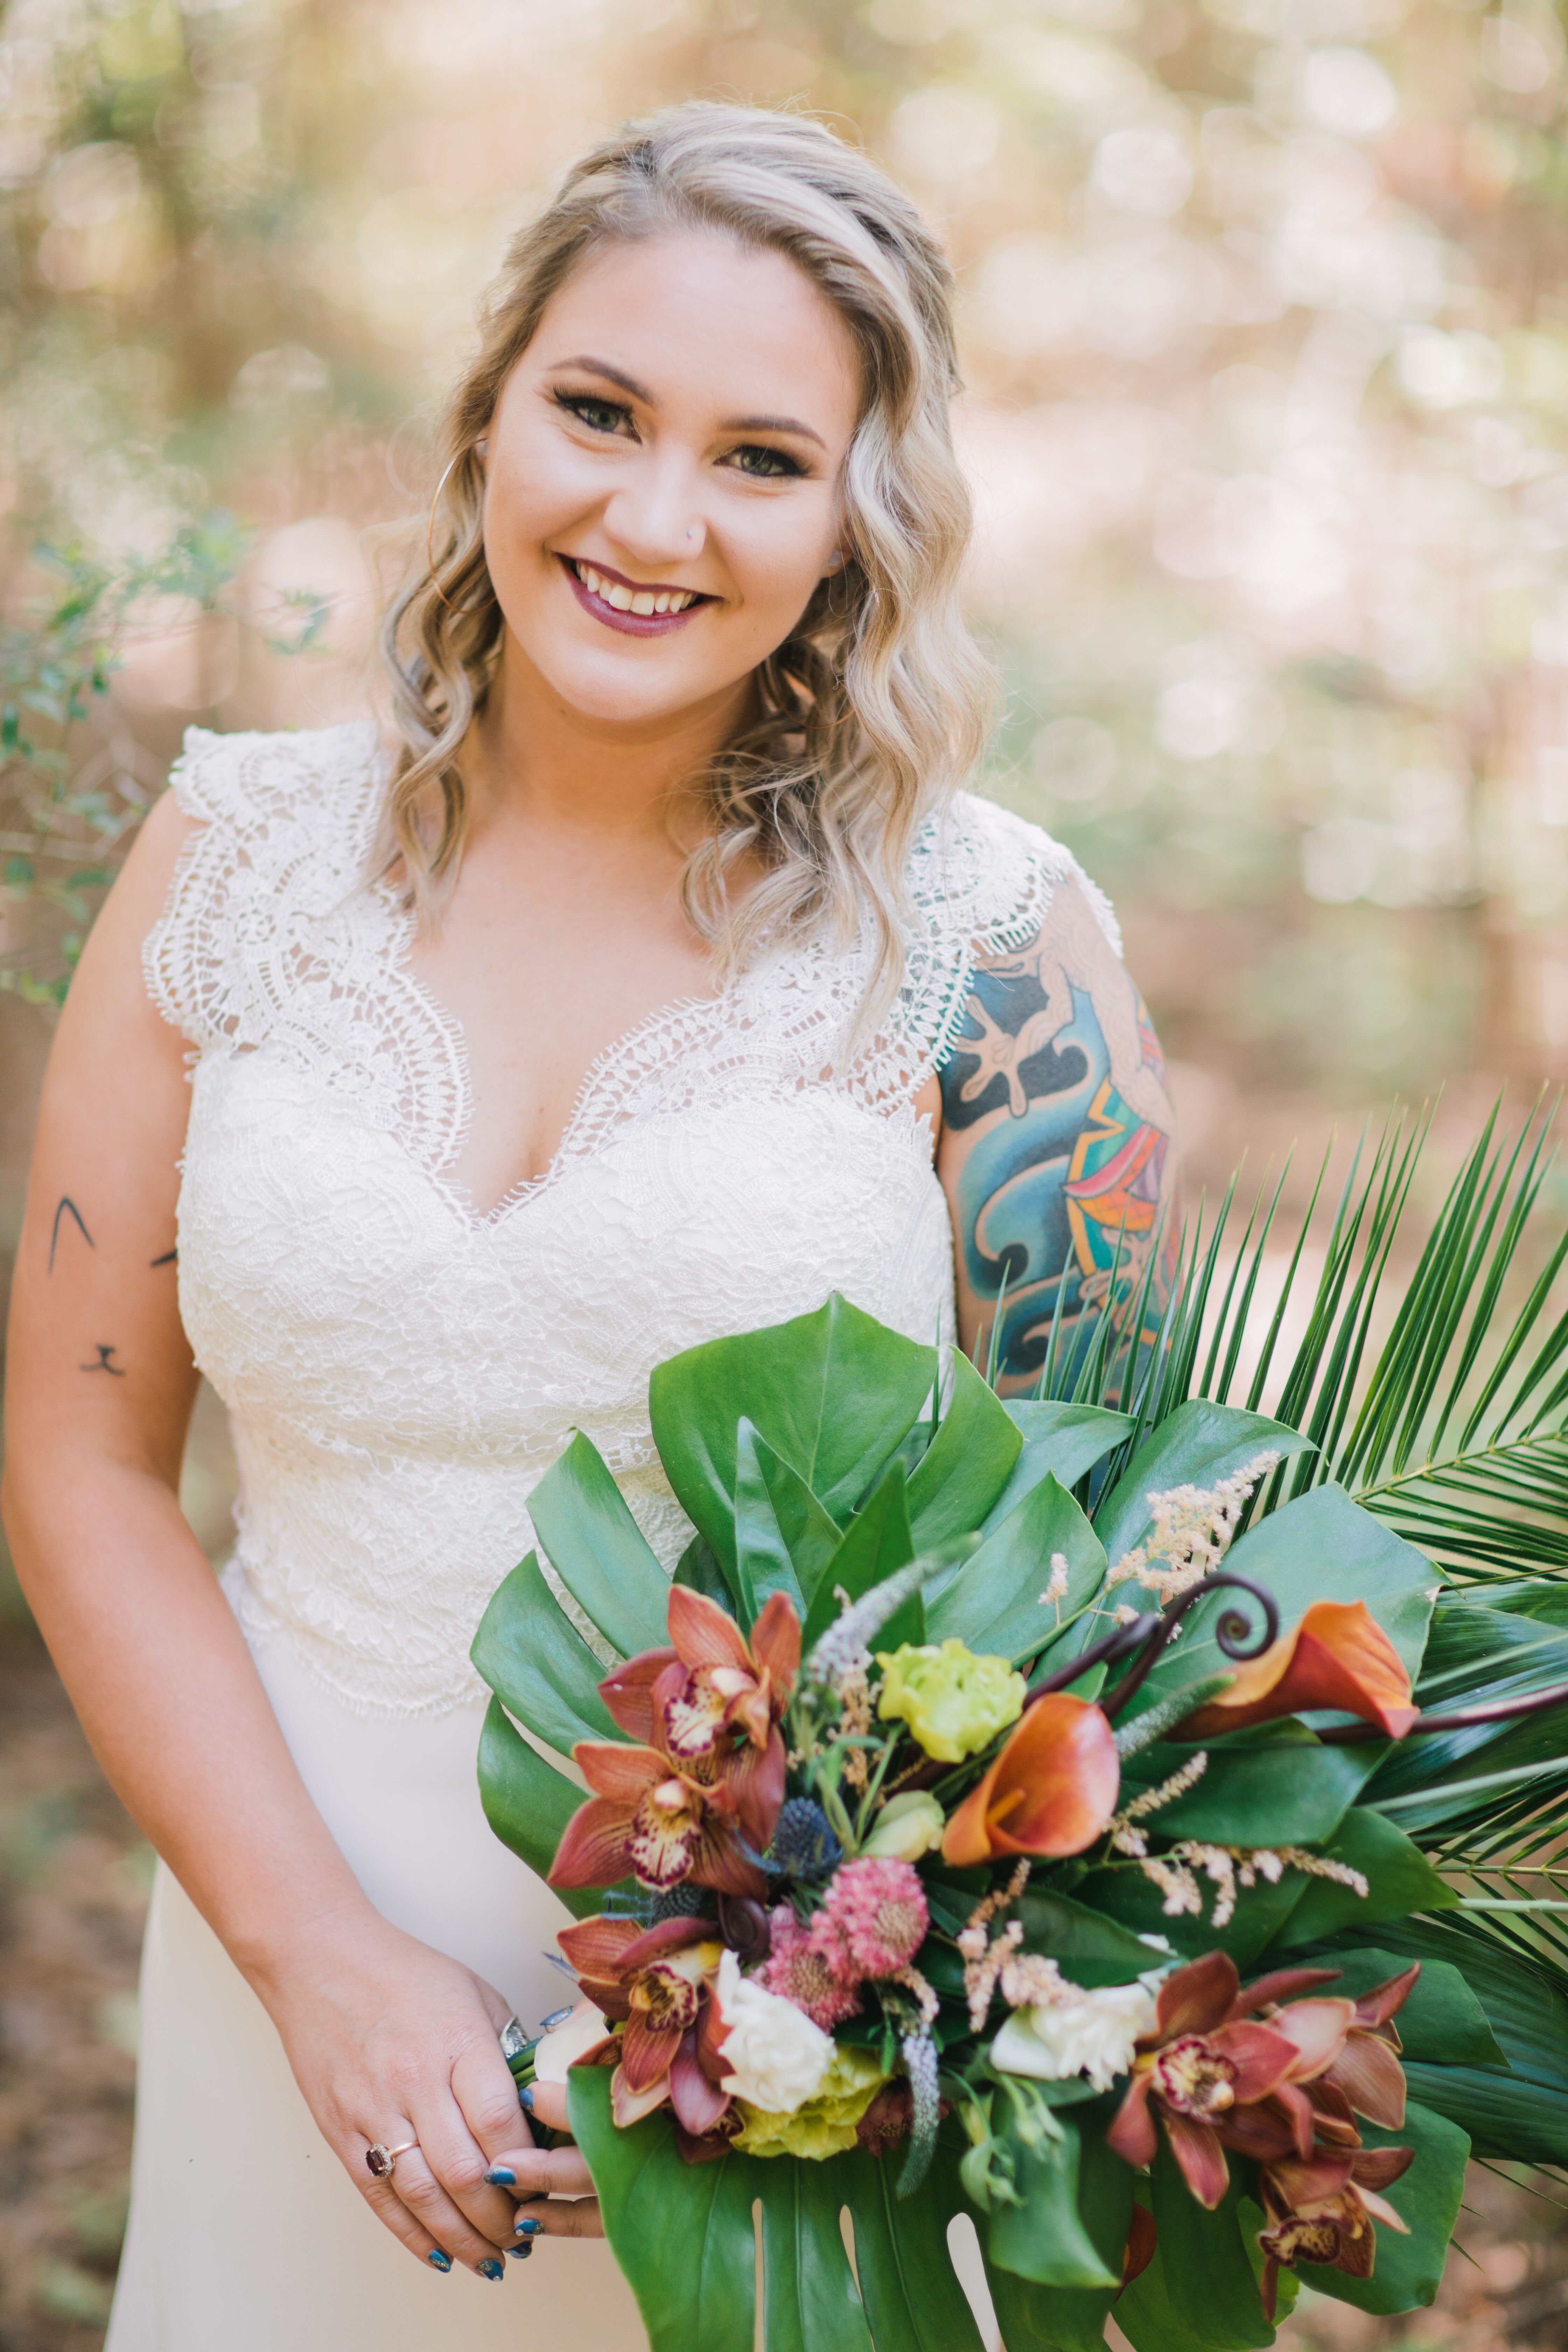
[1453, 1427]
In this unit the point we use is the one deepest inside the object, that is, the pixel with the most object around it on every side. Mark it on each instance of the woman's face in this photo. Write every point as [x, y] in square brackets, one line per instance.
[663, 474]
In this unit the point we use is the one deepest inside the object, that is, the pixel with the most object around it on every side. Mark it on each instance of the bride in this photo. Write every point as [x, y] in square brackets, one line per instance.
[424, 1097]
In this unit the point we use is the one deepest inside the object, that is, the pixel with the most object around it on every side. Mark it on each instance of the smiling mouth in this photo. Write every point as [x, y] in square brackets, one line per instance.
[626, 598]
[633, 608]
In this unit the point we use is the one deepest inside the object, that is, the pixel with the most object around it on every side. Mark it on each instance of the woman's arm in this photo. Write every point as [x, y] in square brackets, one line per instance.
[1057, 1149]
[379, 2029]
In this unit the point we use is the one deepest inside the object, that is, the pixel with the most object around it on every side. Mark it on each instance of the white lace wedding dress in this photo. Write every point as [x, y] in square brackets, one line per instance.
[399, 1372]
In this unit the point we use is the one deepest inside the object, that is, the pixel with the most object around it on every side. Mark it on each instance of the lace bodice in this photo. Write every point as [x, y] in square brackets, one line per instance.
[399, 1371]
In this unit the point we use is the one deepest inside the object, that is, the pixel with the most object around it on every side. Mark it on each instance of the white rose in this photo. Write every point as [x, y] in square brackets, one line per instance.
[907, 1827]
[1081, 2032]
[775, 2056]
[566, 2043]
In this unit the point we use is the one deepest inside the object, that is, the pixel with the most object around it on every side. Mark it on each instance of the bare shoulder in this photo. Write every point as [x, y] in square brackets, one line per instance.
[1058, 1145]
[108, 993]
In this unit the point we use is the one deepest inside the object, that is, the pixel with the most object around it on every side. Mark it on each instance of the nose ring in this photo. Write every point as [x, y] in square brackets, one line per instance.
[691, 531]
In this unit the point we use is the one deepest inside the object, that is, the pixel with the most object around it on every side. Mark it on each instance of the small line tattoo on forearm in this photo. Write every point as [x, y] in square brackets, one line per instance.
[66, 1203]
[116, 1371]
[170, 1257]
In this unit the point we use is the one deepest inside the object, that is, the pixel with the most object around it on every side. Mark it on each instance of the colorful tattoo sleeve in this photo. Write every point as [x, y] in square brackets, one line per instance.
[1059, 1148]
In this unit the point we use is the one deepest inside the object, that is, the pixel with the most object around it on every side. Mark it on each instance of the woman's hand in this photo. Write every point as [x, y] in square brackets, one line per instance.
[554, 2184]
[391, 2042]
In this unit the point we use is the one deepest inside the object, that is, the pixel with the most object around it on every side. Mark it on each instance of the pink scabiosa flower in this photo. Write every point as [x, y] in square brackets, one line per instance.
[873, 1920]
[796, 1969]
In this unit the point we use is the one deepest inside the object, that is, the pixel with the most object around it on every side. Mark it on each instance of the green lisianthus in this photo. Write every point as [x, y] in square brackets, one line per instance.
[824, 2124]
[952, 1701]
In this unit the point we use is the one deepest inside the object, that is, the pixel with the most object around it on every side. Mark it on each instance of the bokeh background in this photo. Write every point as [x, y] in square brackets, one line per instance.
[1264, 311]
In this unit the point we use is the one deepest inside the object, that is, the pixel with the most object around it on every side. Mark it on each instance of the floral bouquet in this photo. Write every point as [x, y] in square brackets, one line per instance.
[1101, 1820]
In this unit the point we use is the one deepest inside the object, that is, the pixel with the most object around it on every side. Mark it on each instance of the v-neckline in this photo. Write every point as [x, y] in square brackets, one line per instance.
[459, 1197]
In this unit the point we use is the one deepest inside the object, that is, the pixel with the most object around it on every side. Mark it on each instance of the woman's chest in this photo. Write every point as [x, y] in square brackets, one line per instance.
[328, 1274]
[544, 969]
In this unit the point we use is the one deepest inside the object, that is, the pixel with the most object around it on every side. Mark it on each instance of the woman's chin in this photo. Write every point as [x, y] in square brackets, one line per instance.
[632, 686]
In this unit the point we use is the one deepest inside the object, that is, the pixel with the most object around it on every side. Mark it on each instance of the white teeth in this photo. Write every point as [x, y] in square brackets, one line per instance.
[630, 600]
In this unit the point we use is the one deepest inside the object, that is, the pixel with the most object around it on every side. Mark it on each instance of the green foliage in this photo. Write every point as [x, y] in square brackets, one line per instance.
[1208, 2275]
[598, 1549]
[1051, 2235]
[695, 2285]
[527, 1803]
[1408, 2269]
[878, 1544]
[1195, 1444]
[65, 810]
[993, 1603]
[814, 1462]
[538, 1663]
[968, 1463]
[833, 1393]
[1258, 1792]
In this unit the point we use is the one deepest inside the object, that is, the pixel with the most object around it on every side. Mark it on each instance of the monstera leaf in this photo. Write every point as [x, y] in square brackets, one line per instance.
[694, 2278]
[833, 1393]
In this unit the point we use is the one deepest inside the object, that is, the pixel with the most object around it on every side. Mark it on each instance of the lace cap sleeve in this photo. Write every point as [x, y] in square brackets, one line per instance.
[982, 880]
[285, 824]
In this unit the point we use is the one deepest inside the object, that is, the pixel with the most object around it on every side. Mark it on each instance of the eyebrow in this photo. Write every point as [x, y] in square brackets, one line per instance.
[732, 425]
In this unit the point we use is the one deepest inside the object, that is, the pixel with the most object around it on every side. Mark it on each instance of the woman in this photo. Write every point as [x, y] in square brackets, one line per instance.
[683, 707]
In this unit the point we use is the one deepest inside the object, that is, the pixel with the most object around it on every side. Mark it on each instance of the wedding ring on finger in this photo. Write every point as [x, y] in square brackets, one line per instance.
[382, 2160]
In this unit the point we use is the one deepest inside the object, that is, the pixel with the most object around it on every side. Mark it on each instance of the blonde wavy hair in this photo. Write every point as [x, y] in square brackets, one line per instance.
[873, 711]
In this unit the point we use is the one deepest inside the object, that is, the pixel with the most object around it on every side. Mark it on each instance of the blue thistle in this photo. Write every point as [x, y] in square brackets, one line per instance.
[804, 1846]
[683, 1902]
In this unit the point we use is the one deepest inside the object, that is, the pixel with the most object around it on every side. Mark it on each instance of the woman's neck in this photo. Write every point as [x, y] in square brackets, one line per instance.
[531, 758]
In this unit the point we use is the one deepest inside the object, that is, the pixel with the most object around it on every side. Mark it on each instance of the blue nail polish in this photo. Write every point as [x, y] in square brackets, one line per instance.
[522, 2253]
[437, 2260]
[489, 2268]
[528, 2227]
[556, 2017]
[502, 2176]
[525, 2097]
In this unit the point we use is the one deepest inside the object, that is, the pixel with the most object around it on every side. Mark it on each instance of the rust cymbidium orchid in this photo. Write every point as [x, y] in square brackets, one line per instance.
[711, 1771]
[1316, 2102]
[1050, 1791]
[713, 1697]
[657, 1984]
[1322, 2210]
[1221, 2074]
[1200, 2063]
[1338, 1656]
[661, 1821]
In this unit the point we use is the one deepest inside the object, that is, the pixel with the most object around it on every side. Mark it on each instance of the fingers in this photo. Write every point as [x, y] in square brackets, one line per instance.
[545, 2171]
[416, 2208]
[485, 2092]
[443, 2181]
[560, 2218]
[430, 2228]
[548, 2105]
[404, 2227]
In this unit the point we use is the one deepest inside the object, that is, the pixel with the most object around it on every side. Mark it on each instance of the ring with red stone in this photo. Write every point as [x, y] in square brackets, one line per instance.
[380, 2158]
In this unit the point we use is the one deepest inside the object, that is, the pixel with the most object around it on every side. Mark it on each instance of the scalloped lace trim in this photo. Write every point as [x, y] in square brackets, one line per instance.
[271, 935]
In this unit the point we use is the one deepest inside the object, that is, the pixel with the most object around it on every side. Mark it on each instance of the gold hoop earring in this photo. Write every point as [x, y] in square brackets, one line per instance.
[458, 611]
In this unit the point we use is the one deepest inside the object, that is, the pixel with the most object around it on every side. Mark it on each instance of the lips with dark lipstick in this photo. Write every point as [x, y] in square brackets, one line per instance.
[637, 608]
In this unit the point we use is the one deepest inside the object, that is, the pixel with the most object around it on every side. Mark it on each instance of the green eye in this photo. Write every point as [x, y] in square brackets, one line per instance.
[598, 415]
[770, 464]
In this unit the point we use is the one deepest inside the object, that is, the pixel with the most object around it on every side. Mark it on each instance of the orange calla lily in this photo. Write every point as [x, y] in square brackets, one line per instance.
[1338, 1656]
[1050, 1791]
